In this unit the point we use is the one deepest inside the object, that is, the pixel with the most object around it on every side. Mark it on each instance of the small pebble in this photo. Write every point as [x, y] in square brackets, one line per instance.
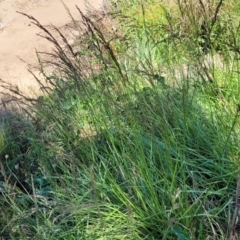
[1, 25]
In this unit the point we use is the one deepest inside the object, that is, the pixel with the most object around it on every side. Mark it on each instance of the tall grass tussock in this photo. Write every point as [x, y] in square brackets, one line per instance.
[136, 132]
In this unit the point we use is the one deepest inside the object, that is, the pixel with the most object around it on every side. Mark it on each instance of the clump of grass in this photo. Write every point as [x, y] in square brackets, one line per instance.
[121, 151]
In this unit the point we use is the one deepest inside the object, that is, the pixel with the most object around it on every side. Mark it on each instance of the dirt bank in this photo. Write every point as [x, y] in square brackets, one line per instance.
[18, 36]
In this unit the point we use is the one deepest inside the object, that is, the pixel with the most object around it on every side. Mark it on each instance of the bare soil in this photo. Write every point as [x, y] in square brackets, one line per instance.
[19, 39]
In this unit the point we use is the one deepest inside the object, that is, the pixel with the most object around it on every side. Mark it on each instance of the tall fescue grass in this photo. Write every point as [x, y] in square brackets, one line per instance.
[136, 133]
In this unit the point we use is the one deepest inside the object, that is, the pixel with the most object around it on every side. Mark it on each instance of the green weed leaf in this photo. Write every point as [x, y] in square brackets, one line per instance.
[181, 235]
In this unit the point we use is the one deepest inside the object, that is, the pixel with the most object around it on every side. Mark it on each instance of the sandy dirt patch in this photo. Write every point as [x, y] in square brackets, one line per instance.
[18, 36]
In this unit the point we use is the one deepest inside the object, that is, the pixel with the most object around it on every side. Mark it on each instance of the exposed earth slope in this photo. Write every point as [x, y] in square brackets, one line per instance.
[18, 36]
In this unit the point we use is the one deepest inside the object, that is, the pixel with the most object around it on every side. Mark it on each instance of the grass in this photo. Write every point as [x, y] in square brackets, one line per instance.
[136, 134]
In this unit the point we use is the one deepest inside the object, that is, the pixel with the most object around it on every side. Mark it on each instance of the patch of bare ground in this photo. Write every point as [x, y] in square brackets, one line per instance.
[20, 40]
